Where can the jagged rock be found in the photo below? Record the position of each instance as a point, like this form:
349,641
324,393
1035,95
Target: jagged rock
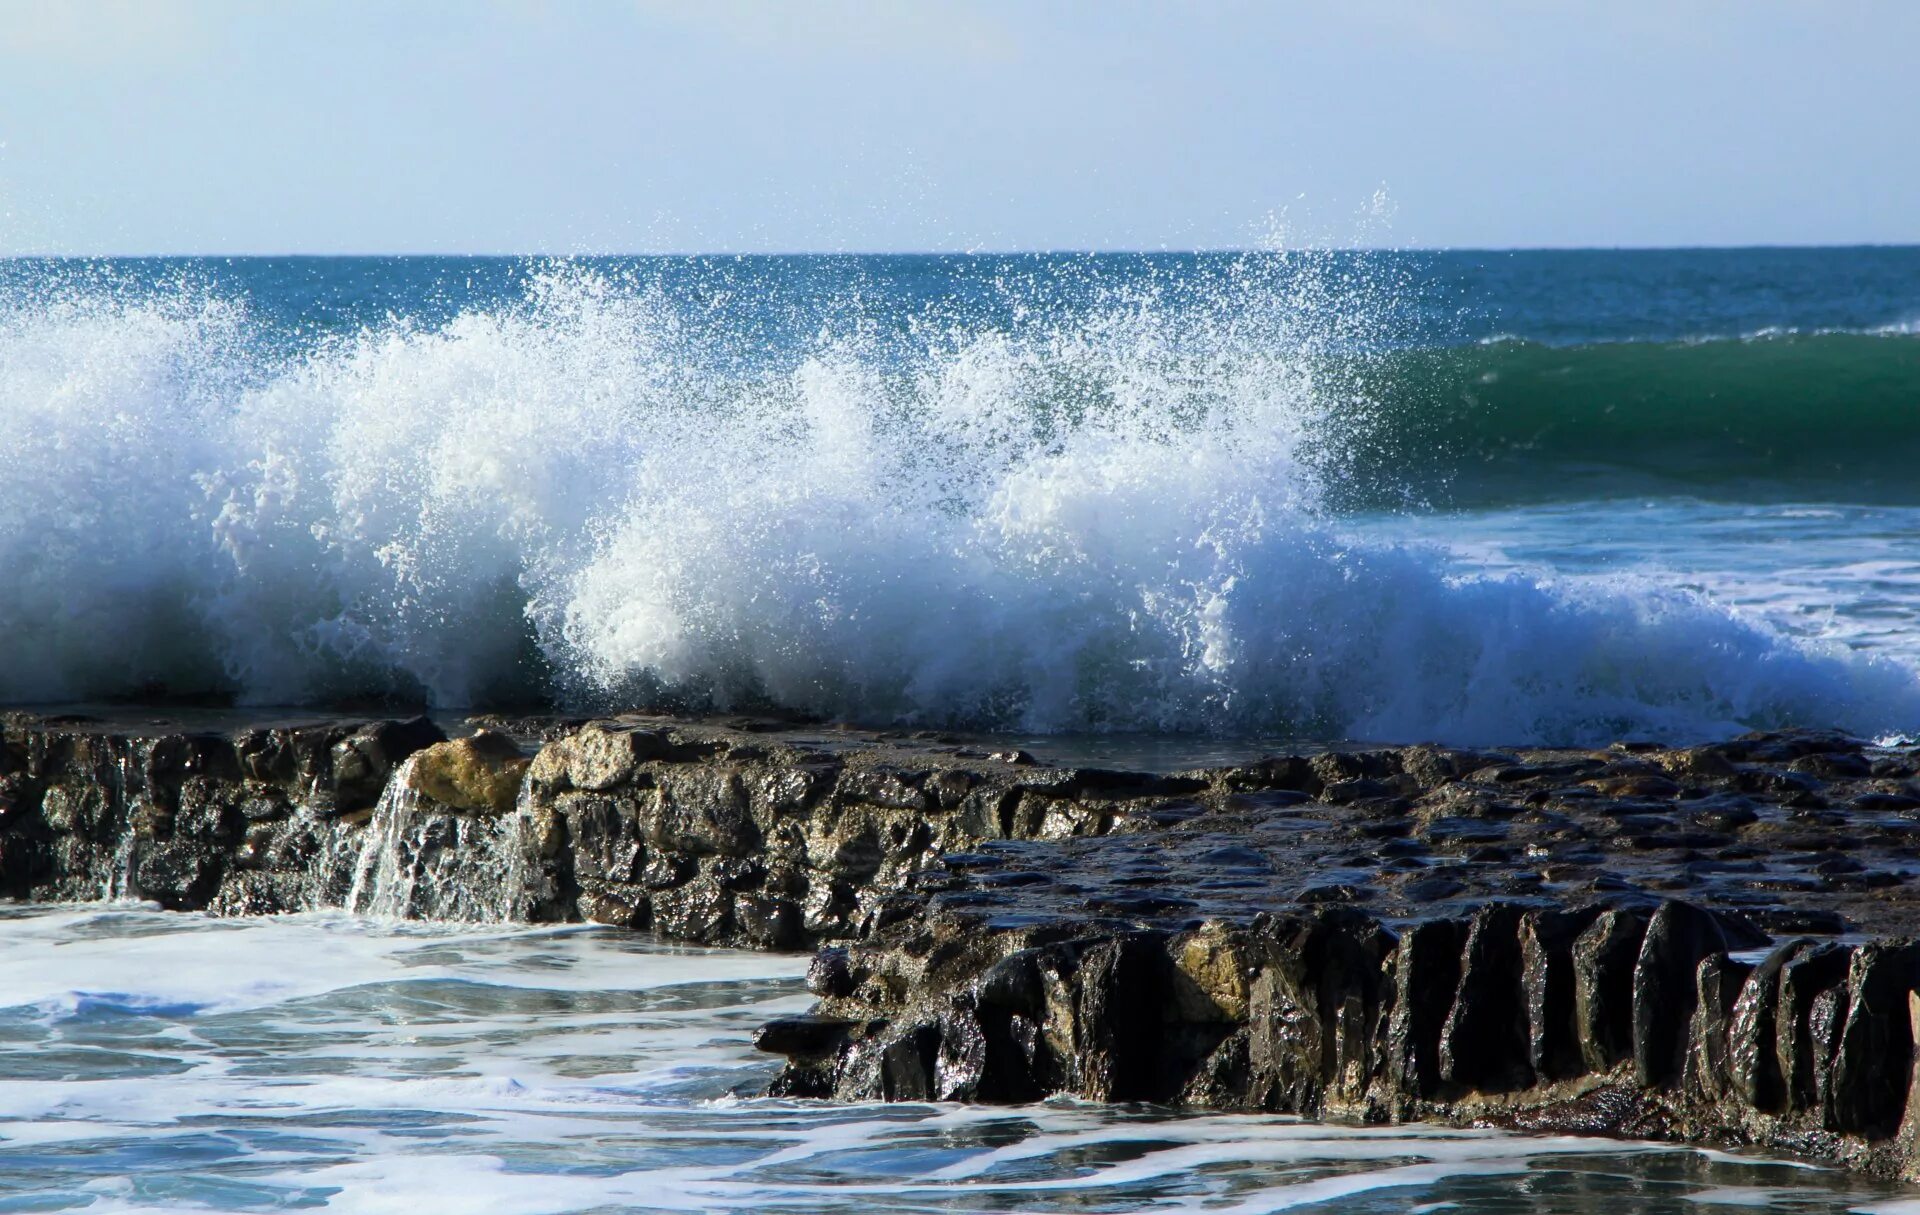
1717,983
1547,983
1484,1043
1753,1036
1802,1042
1665,976
1604,959
1876,1044
1426,976
365,759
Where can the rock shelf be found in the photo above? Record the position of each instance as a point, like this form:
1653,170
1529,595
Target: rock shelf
1712,944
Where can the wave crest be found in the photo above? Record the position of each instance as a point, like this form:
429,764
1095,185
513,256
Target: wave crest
598,493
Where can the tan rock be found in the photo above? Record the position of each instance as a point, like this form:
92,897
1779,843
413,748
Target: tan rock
1210,958
481,773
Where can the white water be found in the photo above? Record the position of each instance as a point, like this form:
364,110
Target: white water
416,861
165,1062
1108,525
1831,573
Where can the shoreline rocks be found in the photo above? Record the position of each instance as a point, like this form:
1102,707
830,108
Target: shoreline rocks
1710,944
1330,1014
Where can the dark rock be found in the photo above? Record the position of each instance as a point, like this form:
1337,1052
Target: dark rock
1717,984
1678,938
1604,959
1876,1044
998,931
364,760
831,973
1484,1042
1753,1034
1426,976
1546,958
804,1036
1875,801
1804,1045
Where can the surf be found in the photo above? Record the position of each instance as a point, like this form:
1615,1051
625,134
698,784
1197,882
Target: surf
1095,503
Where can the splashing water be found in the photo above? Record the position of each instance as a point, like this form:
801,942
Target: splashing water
1083,505
415,860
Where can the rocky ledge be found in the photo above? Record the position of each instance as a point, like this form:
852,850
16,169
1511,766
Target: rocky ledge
1712,944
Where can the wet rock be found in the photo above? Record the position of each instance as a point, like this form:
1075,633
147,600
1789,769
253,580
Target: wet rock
960,1067
700,810
1484,1042
175,875
1604,959
480,773
1876,1044
1678,938
1697,763
770,921
1834,765
807,1036
365,760
1753,1035
701,910
1878,801
1717,984
1426,977
1804,1042
1376,935
1546,961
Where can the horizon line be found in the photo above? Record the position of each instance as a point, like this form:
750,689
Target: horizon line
932,253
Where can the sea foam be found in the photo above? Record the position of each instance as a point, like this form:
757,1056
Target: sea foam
158,1061
1109,516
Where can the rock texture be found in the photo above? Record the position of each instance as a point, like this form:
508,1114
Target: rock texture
233,820
1710,943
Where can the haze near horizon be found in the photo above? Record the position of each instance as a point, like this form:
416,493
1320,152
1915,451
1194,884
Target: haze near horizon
227,126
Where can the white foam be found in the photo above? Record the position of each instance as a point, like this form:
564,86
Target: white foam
59,957
1108,523
362,1067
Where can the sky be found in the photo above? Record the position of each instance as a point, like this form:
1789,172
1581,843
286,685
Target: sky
516,126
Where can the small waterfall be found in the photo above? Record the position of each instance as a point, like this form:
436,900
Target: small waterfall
418,860
117,802
117,885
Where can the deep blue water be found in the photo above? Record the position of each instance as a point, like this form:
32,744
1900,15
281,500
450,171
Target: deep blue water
1557,297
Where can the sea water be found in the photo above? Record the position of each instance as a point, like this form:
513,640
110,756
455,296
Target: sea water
1127,506
155,1061
1478,498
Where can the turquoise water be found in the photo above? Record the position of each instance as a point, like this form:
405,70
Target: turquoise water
1476,497
154,1061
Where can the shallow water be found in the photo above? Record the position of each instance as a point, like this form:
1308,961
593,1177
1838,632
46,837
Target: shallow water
163,1062
1827,572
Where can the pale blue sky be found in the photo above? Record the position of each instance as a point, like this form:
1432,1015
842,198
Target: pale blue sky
143,126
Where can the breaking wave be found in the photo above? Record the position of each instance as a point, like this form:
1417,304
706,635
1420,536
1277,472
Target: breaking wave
1773,417
609,491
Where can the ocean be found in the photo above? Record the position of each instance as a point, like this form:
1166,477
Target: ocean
1472,497
1129,507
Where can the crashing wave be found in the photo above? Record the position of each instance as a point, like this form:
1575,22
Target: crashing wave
1112,516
